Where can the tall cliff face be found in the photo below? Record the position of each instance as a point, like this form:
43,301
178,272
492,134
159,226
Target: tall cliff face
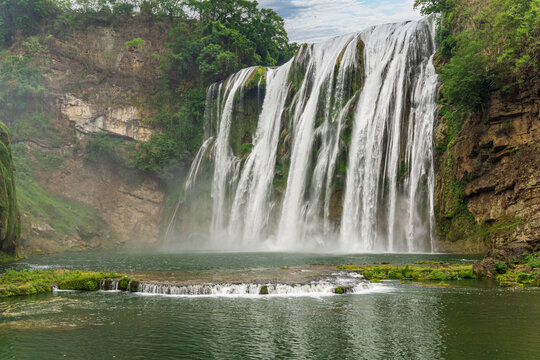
10,222
78,189
488,178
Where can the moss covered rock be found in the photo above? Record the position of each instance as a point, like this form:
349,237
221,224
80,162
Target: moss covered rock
10,222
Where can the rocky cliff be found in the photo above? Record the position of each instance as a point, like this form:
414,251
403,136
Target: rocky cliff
10,223
79,189
488,176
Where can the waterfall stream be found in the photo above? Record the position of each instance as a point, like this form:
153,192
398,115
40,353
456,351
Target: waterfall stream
340,156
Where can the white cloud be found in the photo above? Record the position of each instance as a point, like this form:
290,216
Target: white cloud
314,20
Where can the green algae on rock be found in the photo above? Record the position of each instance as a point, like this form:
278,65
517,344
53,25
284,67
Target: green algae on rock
10,222
437,272
14,283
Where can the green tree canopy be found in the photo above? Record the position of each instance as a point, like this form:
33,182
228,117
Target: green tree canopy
485,45
24,16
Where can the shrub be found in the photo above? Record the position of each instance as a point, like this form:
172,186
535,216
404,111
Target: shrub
134,44
500,267
533,260
123,9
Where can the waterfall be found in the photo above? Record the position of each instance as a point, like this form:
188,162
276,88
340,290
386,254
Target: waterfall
339,153
250,211
225,164
314,94
399,69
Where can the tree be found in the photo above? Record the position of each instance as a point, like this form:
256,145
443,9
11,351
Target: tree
23,16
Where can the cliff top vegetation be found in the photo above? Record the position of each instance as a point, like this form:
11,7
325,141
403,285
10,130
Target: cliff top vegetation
485,46
209,40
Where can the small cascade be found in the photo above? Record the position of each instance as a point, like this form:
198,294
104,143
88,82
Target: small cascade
196,166
350,283
205,148
109,285
340,155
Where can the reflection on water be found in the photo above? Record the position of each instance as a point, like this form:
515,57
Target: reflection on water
416,319
408,323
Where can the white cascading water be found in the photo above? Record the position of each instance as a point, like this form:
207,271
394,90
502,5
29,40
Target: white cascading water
319,76
226,165
399,68
387,200
250,209
349,282
318,288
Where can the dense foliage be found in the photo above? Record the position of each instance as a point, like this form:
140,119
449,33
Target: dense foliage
24,16
485,45
227,36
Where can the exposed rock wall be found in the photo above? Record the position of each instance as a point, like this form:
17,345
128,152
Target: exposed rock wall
493,169
130,204
121,121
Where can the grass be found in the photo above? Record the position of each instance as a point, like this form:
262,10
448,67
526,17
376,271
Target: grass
435,272
26,282
533,260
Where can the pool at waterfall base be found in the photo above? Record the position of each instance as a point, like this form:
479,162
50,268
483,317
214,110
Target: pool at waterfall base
467,319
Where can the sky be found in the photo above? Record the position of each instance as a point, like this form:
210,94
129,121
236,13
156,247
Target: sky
315,20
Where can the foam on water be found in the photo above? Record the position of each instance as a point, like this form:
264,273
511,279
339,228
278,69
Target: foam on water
352,283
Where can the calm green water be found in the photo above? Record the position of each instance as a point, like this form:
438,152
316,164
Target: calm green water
473,321
167,261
